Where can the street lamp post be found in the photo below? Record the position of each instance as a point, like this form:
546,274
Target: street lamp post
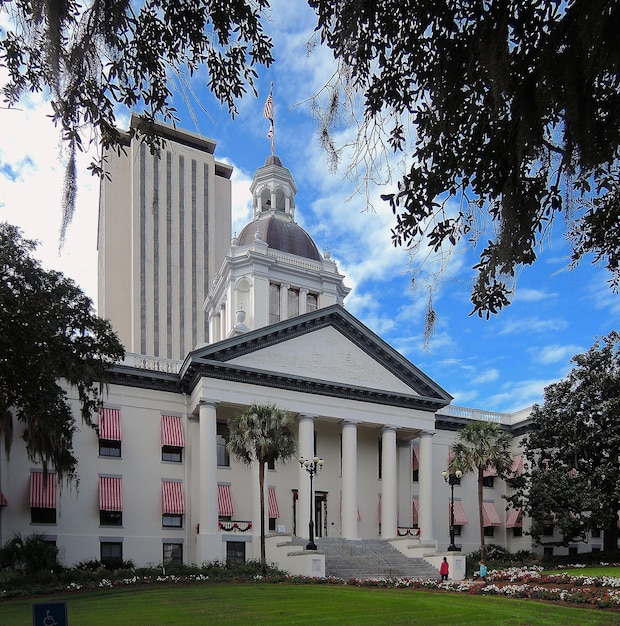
313,467
452,478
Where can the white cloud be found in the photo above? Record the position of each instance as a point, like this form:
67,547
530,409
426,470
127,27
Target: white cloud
555,353
533,325
486,376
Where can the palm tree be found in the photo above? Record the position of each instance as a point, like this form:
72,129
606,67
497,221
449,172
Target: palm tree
479,446
261,433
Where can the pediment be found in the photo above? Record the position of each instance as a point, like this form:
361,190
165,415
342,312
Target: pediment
326,351
327,355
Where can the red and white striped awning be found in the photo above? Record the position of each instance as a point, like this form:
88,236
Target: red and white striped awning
489,471
110,424
490,516
272,503
172,431
42,491
416,457
460,519
517,465
415,511
173,500
110,493
225,501
515,518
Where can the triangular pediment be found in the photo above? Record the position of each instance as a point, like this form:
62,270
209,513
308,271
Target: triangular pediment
327,351
327,355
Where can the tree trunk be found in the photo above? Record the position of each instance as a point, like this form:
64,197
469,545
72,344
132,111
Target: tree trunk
610,536
261,481
483,547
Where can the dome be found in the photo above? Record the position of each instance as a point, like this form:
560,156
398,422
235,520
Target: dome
280,232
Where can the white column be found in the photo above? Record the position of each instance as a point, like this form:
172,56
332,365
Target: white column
284,287
306,449
209,545
425,498
349,480
303,301
388,483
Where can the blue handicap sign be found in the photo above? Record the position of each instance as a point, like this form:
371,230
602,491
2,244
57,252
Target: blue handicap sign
49,614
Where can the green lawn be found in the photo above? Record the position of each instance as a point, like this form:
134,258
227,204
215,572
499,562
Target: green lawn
255,604
597,571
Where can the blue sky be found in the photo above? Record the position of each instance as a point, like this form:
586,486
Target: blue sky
501,364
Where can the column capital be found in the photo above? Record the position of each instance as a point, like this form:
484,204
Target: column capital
304,416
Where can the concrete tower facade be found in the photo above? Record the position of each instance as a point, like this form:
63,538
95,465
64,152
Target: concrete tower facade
164,229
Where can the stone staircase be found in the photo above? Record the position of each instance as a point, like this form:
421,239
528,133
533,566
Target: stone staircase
370,558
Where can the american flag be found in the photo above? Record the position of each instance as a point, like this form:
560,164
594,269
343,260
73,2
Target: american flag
268,112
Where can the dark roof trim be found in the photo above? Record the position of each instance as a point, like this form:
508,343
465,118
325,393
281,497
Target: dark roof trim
278,380
144,379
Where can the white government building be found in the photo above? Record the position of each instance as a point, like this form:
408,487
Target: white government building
212,324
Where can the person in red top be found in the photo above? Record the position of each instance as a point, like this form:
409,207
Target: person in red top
444,569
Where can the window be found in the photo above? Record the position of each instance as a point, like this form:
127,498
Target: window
379,458
293,303
42,497
312,302
457,530
489,531
596,533
274,303
272,524
110,501
109,430
173,554
173,504
488,481
111,552
271,464
172,438
415,472
111,518
547,530
548,551
223,459
42,515
572,550
174,454
172,520
517,531
235,552
107,447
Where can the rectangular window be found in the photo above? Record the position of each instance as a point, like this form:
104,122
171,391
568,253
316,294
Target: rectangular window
41,515
172,454
312,302
547,530
271,464
109,430
517,531
274,303
235,552
293,303
111,553
110,501
172,438
272,524
596,533
489,531
42,497
488,481
457,530
223,459
379,458
173,554
108,447
172,520
111,518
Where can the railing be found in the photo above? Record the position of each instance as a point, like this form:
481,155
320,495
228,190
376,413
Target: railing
403,531
473,414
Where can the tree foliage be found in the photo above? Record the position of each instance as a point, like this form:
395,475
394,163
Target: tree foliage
92,56
572,477
480,446
49,334
261,434
508,112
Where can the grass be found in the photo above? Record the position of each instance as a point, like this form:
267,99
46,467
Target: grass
256,604
587,571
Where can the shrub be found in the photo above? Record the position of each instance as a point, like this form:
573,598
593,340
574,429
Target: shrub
30,554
